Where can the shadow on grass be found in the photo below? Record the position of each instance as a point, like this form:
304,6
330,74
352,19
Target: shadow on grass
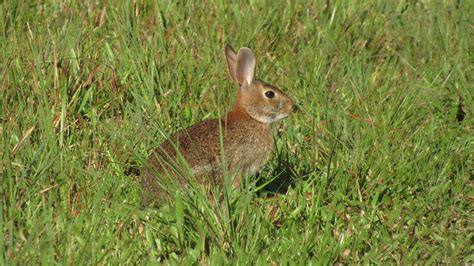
284,175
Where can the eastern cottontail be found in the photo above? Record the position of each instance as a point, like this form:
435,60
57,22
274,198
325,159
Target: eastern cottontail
245,131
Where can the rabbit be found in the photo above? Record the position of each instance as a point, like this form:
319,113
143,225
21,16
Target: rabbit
246,133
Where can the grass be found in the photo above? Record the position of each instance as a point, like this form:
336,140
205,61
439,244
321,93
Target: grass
377,168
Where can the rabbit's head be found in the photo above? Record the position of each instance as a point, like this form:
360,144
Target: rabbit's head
261,101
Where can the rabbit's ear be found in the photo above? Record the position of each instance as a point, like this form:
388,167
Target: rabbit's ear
231,61
245,66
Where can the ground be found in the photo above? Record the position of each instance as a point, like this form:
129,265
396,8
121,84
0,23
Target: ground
376,167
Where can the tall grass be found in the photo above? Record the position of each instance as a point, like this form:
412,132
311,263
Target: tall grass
377,167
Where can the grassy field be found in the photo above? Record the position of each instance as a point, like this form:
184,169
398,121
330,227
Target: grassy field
376,168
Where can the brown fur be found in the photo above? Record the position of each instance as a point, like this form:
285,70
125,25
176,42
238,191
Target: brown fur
246,136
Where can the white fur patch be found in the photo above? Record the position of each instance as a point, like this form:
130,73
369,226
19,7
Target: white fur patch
267,119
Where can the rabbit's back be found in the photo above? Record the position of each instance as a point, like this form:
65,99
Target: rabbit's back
247,146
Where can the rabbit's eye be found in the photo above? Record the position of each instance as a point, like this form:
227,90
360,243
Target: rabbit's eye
270,94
